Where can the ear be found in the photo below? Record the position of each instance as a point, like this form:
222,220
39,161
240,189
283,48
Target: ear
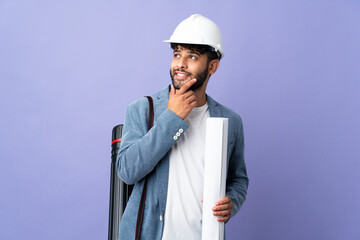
213,66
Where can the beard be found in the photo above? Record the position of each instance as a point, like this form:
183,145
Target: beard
200,79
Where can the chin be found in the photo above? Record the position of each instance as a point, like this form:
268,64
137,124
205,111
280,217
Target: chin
179,83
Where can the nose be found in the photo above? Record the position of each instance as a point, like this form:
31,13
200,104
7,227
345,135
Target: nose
181,63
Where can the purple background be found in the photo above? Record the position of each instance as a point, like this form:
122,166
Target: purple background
68,69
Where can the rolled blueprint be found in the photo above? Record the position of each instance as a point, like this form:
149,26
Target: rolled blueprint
214,176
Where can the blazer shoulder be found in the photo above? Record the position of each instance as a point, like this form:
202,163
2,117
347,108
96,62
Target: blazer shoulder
231,113
139,105
225,111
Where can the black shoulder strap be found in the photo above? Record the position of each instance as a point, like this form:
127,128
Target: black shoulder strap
140,215
151,112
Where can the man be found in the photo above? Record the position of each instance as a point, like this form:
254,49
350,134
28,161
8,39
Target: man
171,153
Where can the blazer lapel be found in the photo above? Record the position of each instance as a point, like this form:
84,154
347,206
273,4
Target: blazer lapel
162,169
214,108
161,102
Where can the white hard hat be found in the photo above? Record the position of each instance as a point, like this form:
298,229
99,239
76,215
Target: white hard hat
198,29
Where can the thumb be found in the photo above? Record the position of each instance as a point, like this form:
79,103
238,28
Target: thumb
172,90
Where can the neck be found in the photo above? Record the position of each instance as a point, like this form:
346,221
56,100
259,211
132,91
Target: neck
201,94
201,98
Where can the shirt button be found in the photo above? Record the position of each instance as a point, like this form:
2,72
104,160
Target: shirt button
160,218
178,134
181,130
175,138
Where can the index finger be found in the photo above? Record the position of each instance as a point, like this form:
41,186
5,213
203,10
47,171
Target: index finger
186,86
224,200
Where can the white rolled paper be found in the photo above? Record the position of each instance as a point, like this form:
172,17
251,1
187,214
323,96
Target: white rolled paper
214,176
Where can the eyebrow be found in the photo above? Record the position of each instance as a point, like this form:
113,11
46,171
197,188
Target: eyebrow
189,51
194,52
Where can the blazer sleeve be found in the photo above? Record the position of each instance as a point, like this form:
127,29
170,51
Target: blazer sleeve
140,149
237,180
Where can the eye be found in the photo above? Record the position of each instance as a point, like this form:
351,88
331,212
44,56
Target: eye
176,55
192,57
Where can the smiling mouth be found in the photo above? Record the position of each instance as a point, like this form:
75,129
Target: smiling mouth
182,74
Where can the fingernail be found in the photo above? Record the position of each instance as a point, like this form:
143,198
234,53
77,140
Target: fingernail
194,80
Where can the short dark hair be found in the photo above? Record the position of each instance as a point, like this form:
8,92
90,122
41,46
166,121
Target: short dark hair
202,49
